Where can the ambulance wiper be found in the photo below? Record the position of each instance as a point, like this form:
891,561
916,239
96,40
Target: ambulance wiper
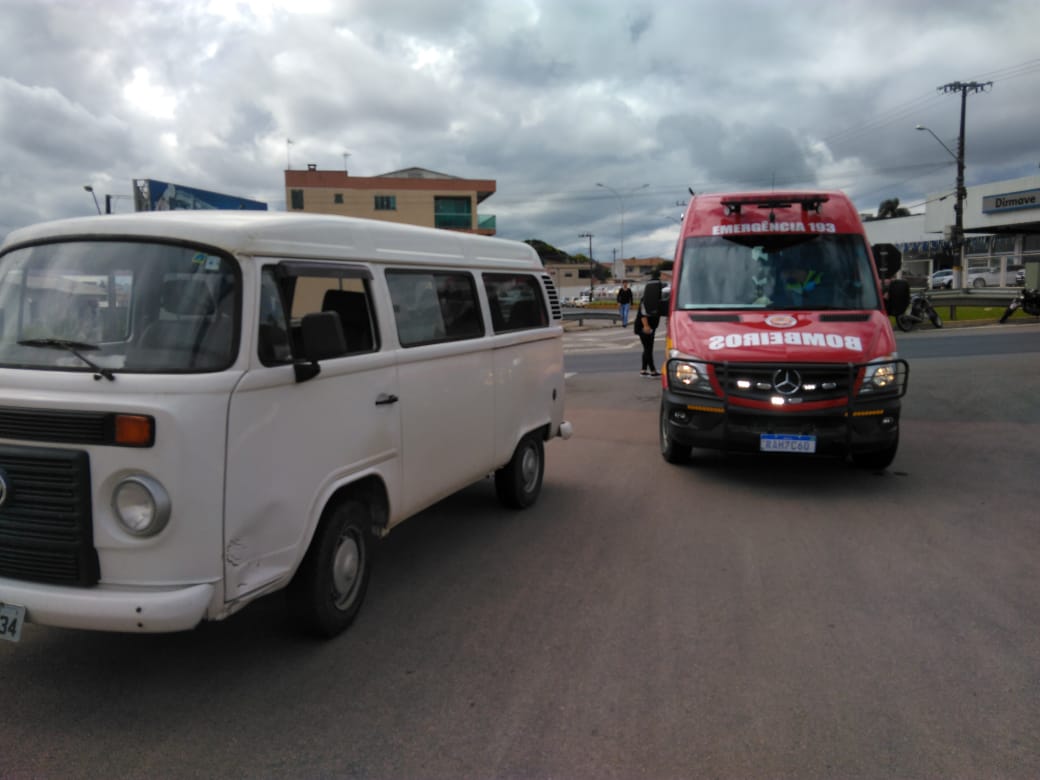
76,348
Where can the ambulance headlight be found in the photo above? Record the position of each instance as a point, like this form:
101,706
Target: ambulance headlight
880,377
141,505
687,375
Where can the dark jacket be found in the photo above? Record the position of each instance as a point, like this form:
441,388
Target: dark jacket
624,295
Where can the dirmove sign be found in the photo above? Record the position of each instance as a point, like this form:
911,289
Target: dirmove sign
1027,199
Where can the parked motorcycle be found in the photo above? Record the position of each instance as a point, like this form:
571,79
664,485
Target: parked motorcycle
919,310
1026,300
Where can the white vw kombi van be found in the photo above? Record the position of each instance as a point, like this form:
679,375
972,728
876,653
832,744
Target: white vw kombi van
200,408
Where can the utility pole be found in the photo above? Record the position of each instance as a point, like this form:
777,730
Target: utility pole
592,266
958,239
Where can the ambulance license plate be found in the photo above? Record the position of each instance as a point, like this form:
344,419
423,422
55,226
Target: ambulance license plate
786,442
11,618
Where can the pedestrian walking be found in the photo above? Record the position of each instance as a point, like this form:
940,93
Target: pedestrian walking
624,300
647,320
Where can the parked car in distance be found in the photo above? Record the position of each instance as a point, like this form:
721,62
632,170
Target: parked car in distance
981,276
1020,277
941,279
914,280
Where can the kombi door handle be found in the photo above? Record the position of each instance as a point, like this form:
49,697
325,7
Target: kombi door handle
386,398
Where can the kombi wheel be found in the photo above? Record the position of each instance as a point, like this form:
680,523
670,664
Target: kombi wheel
671,451
327,591
519,482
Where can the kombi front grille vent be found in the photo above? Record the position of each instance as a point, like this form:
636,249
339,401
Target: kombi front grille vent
46,527
807,382
58,426
554,298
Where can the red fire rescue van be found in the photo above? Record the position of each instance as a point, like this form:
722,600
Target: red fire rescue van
778,337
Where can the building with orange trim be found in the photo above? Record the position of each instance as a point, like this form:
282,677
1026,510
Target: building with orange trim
412,196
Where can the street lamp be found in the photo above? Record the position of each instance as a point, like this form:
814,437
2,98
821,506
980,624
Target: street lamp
958,206
592,266
90,189
621,202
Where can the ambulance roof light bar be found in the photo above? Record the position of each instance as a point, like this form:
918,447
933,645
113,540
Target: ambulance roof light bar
809,201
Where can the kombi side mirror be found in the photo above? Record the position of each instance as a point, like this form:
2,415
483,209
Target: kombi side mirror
321,337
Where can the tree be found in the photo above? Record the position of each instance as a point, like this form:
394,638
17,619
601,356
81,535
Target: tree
547,252
890,208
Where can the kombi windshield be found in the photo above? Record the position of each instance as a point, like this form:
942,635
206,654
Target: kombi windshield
775,272
113,306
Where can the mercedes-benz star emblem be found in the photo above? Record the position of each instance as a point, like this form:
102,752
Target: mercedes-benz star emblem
787,381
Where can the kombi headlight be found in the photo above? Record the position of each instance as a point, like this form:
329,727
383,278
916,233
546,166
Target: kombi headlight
688,375
141,505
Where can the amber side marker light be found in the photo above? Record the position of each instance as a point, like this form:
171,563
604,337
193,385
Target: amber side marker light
134,430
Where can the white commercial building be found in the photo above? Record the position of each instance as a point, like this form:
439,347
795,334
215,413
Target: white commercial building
1001,227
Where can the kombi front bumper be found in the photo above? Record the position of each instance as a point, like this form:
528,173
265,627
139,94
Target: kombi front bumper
110,609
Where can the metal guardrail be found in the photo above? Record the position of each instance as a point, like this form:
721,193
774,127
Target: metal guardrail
972,296
591,314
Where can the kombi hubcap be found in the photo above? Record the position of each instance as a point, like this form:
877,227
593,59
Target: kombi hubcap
346,566
529,469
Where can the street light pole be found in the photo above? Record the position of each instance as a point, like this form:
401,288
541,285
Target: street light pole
621,202
592,266
958,208
90,189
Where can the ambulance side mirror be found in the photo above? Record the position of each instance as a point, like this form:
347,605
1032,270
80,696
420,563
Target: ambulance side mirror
888,259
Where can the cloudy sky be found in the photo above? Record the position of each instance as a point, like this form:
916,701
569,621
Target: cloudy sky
548,97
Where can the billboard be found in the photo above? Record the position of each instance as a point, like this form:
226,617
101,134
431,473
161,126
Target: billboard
153,195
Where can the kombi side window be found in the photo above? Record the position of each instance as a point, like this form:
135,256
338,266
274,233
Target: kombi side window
516,302
434,306
289,292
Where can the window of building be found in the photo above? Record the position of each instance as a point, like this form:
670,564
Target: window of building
386,203
1031,242
453,213
337,198
296,199
516,302
435,306
1003,244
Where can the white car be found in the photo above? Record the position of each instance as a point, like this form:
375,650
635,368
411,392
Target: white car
991,276
941,279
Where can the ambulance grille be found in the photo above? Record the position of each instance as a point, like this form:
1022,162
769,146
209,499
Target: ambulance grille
807,382
46,527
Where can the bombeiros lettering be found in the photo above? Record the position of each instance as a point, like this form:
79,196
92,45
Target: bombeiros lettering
786,338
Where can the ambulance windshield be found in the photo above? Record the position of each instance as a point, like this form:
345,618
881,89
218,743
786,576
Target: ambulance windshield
775,272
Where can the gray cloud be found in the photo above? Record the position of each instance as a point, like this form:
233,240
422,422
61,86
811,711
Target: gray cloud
546,98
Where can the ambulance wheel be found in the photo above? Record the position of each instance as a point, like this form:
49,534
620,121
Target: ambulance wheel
671,450
519,482
329,587
878,459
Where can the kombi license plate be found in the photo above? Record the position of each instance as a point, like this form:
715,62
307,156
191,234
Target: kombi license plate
786,442
11,618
